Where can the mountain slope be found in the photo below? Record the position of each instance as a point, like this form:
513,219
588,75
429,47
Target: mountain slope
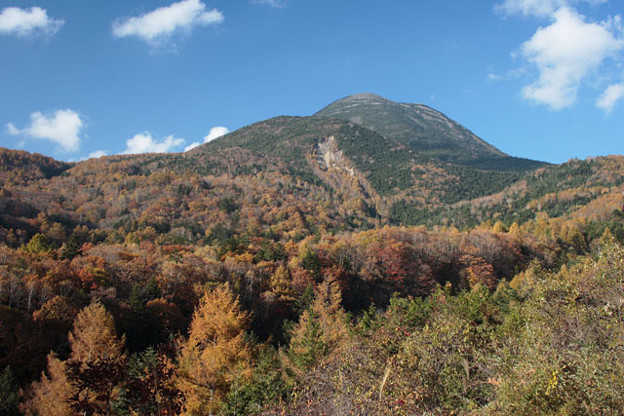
288,176
388,169
588,190
276,219
300,142
17,166
424,130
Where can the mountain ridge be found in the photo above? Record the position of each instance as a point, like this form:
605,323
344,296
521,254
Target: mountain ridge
424,129
357,176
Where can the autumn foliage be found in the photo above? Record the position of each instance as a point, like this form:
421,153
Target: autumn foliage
239,285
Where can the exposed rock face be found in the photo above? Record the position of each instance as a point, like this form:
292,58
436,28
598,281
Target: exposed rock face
335,169
331,157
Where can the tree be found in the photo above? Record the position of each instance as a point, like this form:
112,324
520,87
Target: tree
264,388
150,387
71,248
58,309
98,385
320,330
306,345
93,337
309,260
38,244
478,271
96,366
216,352
8,393
280,284
51,395
332,317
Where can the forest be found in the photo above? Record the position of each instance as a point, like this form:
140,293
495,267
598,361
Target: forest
236,283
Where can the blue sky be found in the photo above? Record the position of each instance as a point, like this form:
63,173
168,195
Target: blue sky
542,79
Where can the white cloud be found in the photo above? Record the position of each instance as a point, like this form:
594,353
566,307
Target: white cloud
145,143
61,127
610,97
213,134
191,146
158,26
564,53
97,154
93,155
272,3
27,22
495,76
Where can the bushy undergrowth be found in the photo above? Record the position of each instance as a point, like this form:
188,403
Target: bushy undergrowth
551,346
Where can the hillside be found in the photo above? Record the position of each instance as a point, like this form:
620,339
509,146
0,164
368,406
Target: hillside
590,189
384,167
19,167
297,264
335,174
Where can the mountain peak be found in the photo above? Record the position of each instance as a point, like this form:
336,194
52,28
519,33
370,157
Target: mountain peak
421,129
368,96
364,98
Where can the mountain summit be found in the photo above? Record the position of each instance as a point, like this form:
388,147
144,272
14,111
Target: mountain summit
424,130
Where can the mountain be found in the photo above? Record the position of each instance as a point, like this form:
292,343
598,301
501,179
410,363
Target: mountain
388,163
295,221
585,190
424,130
334,173
374,158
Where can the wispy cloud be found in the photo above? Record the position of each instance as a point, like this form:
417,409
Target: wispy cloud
159,26
515,73
214,133
528,7
272,3
566,52
28,22
145,143
539,8
62,127
610,97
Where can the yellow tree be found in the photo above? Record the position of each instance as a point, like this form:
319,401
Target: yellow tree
321,330
332,317
215,353
93,337
280,284
51,395
93,341
96,359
